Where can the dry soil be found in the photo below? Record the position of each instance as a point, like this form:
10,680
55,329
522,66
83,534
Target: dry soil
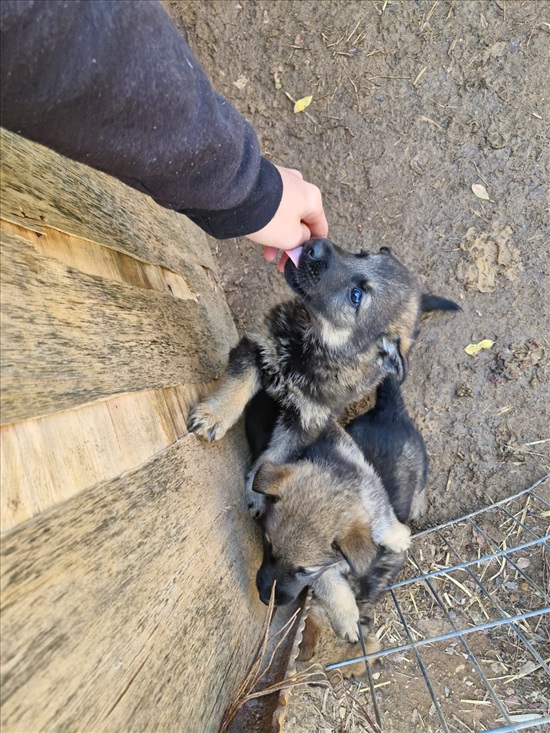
414,101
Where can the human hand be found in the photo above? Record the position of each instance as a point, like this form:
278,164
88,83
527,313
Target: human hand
299,217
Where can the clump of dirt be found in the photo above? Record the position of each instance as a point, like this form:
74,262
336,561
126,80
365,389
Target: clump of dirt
518,361
413,102
490,254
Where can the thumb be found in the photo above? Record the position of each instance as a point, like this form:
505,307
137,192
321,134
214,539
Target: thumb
317,223
305,234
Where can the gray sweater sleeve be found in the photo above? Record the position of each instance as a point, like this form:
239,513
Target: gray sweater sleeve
113,84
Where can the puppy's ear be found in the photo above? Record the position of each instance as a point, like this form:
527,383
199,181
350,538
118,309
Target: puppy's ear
269,479
429,303
393,360
385,251
357,547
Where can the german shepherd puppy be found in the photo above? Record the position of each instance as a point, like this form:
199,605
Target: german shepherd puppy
317,526
354,317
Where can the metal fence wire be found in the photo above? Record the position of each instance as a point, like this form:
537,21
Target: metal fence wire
466,632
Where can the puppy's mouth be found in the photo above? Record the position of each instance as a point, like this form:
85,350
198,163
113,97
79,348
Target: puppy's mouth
295,254
292,279
299,277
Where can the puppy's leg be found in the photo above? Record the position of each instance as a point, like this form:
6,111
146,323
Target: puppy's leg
212,418
397,538
419,504
285,443
391,359
382,573
386,529
316,621
337,598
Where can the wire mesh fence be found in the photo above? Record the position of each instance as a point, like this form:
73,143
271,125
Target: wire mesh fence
466,632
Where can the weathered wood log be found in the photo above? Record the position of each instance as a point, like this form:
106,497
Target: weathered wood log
128,561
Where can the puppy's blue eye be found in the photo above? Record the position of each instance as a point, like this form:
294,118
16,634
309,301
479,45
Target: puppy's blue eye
355,297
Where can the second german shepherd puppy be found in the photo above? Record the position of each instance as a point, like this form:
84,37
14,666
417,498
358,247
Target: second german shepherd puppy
354,318
318,528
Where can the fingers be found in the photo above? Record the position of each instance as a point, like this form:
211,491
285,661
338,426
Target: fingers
299,217
315,218
306,234
270,253
317,223
282,262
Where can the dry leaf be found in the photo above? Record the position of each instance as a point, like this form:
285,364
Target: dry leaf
480,191
301,104
277,78
474,349
527,668
241,82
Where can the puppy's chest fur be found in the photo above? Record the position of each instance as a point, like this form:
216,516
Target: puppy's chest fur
306,376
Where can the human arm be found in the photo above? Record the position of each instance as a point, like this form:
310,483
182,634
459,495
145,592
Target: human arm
114,85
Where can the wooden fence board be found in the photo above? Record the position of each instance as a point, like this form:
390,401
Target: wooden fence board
53,191
101,629
68,338
49,459
128,558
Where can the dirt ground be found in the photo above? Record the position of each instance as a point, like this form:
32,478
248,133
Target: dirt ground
414,101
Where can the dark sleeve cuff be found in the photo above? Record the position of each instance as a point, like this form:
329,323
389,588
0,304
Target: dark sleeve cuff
250,215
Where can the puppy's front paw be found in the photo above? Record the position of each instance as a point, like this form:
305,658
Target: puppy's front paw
256,504
397,538
345,626
205,423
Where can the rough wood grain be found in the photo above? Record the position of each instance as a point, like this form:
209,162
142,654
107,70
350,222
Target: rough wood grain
68,338
41,188
49,459
132,607
128,600
96,259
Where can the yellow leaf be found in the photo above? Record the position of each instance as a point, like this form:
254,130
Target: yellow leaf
473,349
480,191
301,104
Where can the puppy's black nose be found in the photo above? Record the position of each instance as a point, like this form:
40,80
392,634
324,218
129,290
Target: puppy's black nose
316,249
263,584
265,597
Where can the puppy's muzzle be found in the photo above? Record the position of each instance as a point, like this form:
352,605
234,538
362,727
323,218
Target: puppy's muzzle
264,584
314,261
316,253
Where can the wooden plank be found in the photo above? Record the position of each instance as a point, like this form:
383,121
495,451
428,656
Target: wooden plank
69,338
95,259
132,606
48,460
41,188
128,601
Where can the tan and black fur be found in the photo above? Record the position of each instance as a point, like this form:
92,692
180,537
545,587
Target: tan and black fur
354,318
321,528
317,526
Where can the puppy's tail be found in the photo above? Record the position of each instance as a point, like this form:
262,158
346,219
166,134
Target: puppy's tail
430,303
